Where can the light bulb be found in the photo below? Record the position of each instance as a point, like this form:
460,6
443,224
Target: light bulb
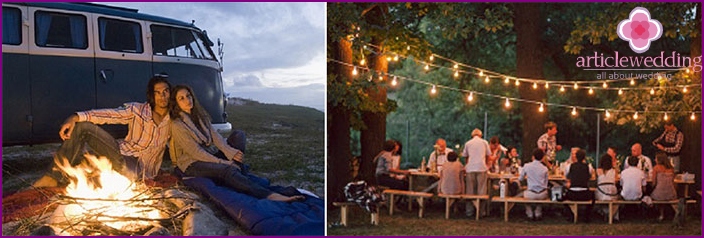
431,57
535,85
562,89
633,82
507,104
395,57
659,77
574,111
684,90
388,58
652,91
457,74
687,70
381,78
604,85
635,115
362,62
665,117
620,91
394,81
433,90
547,85
486,79
692,117
457,66
427,67
518,82
354,71
470,97
506,80
481,73
576,86
541,109
591,91
408,47
608,114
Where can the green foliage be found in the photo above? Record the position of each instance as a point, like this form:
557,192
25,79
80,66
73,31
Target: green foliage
599,21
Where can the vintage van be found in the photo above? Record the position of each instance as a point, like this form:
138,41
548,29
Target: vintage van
59,58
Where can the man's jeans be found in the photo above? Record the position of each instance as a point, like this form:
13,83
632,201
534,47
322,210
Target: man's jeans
100,142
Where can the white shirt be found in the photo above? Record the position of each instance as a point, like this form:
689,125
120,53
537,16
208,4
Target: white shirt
439,159
632,182
476,150
643,163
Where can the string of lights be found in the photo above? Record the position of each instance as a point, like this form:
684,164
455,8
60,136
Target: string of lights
562,85
470,95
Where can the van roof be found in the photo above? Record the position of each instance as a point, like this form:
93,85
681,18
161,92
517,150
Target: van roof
107,10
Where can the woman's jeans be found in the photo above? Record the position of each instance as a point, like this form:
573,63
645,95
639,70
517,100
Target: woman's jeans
229,174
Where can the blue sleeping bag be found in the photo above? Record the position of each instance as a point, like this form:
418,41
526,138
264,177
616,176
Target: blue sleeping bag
262,216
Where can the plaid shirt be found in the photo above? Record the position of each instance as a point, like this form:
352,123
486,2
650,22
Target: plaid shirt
548,144
674,138
145,139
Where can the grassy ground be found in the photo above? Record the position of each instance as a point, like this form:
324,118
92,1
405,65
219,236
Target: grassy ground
284,143
433,223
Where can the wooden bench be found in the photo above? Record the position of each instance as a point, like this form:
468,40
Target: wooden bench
509,202
614,205
419,197
344,206
450,199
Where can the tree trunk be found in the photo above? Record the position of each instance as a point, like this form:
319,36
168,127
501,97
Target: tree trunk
692,147
339,152
528,23
373,136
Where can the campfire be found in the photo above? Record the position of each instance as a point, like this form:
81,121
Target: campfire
100,201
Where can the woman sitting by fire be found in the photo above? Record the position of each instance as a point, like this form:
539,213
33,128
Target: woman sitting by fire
199,151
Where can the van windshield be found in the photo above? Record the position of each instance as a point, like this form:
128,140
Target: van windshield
179,42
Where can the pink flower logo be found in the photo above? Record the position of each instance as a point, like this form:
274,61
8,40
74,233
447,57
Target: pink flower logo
639,30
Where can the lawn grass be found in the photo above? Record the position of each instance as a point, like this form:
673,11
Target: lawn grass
434,223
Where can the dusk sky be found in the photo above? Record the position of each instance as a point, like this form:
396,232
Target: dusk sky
274,52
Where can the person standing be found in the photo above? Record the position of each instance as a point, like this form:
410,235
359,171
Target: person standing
548,142
537,176
138,156
439,155
477,152
670,142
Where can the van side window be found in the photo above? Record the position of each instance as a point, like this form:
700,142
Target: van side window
60,30
171,41
11,26
121,36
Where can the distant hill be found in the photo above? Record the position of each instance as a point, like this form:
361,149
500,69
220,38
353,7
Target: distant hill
285,143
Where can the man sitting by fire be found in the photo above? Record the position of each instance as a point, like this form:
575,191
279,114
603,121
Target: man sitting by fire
138,156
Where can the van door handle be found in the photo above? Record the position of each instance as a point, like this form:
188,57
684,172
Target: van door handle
106,74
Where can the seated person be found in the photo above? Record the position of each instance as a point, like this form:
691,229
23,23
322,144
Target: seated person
663,181
452,176
438,157
573,159
632,181
578,182
511,162
385,170
606,183
644,162
537,175
198,150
